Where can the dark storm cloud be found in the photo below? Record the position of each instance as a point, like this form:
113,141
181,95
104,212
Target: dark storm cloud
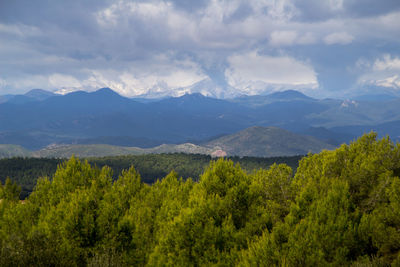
242,12
316,10
190,6
367,8
66,27
45,12
134,46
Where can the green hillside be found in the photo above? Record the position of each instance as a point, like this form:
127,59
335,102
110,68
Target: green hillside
8,151
268,142
341,208
252,142
84,151
101,150
26,171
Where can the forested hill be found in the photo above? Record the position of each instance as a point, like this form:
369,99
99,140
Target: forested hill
341,208
39,119
26,171
267,142
255,141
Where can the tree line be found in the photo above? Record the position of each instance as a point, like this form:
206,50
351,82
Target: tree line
341,207
26,171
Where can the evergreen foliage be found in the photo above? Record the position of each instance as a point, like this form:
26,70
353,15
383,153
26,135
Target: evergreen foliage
342,207
26,171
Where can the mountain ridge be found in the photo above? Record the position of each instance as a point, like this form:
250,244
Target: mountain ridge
79,116
268,142
255,141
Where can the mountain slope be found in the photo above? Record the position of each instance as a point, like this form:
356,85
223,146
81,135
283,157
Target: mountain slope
289,95
82,115
31,96
40,118
254,141
101,150
39,94
10,151
284,96
268,142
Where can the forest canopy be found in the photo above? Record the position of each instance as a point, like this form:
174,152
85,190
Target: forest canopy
341,207
26,171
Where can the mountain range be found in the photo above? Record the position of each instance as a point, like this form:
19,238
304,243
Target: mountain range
254,141
39,118
267,142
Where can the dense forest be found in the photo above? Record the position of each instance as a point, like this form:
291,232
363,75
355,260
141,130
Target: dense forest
341,208
26,171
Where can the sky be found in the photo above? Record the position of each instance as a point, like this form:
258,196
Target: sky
223,49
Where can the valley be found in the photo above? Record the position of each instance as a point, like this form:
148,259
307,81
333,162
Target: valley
251,142
105,123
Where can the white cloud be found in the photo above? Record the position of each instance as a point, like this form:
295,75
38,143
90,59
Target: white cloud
58,80
342,38
387,63
113,43
383,72
28,82
289,38
252,73
3,83
389,82
158,20
280,10
134,83
20,30
336,4
307,38
211,27
283,38
159,75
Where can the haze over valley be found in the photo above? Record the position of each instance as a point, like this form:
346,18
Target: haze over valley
200,133
142,74
47,123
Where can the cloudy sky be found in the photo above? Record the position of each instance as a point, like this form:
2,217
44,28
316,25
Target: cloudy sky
329,48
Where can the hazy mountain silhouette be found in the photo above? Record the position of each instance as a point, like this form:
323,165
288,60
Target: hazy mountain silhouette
268,142
253,141
39,118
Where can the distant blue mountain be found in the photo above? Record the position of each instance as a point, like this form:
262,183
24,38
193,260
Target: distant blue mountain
39,94
107,117
21,99
329,136
5,98
289,95
391,129
375,97
31,96
105,113
284,96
